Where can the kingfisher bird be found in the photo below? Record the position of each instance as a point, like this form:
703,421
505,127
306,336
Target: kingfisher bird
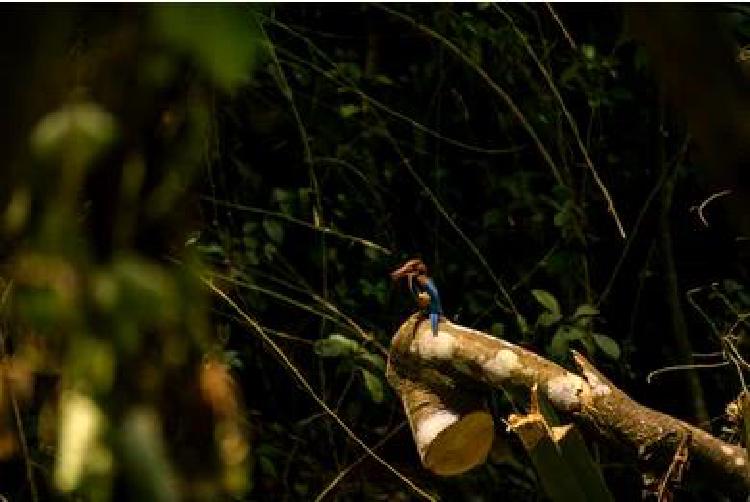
423,287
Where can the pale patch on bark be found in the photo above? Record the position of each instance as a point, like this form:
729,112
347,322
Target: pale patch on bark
503,365
598,388
565,391
429,346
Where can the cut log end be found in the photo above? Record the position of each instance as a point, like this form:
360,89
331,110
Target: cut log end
460,446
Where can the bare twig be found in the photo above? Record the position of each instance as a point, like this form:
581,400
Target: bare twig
296,221
511,307
354,464
318,219
490,82
4,379
372,101
676,468
639,219
699,208
308,388
574,128
562,26
686,367
307,290
345,320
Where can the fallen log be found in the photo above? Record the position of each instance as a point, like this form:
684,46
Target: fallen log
439,379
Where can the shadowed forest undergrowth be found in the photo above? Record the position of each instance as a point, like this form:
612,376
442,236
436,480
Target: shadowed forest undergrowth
203,203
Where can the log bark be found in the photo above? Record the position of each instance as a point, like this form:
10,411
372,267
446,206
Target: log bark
459,357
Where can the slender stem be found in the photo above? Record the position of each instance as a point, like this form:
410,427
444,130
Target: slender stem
308,388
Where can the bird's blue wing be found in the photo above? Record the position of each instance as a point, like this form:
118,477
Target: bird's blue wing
434,319
435,308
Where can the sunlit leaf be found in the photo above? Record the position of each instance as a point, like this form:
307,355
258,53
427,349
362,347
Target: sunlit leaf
585,310
547,319
607,345
497,329
523,326
374,386
335,346
561,340
589,51
374,360
546,300
349,110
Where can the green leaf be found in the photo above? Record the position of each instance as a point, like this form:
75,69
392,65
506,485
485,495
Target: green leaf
492,218
585,310
269,250
497,329
547,319
221,39
523,326
373,360
607,345
347,111
335,346
267,467
589,51
374,386
274,230
546,300
285,199
558,347
209,249
383,80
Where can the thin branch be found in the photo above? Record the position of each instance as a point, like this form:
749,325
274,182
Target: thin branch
571,121
511,307
307,291
699,208
378,104
347,322
308,388
562,26
296,221
14,403
491,83
318,218
688,367
354,464
286,90
637,225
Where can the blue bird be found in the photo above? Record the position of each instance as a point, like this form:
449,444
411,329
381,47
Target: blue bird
423,287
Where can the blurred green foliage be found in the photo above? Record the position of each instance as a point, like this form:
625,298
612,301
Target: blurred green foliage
296,154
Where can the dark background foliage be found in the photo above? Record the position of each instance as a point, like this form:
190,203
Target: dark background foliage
366,136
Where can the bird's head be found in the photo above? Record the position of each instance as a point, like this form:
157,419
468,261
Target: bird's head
410,270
